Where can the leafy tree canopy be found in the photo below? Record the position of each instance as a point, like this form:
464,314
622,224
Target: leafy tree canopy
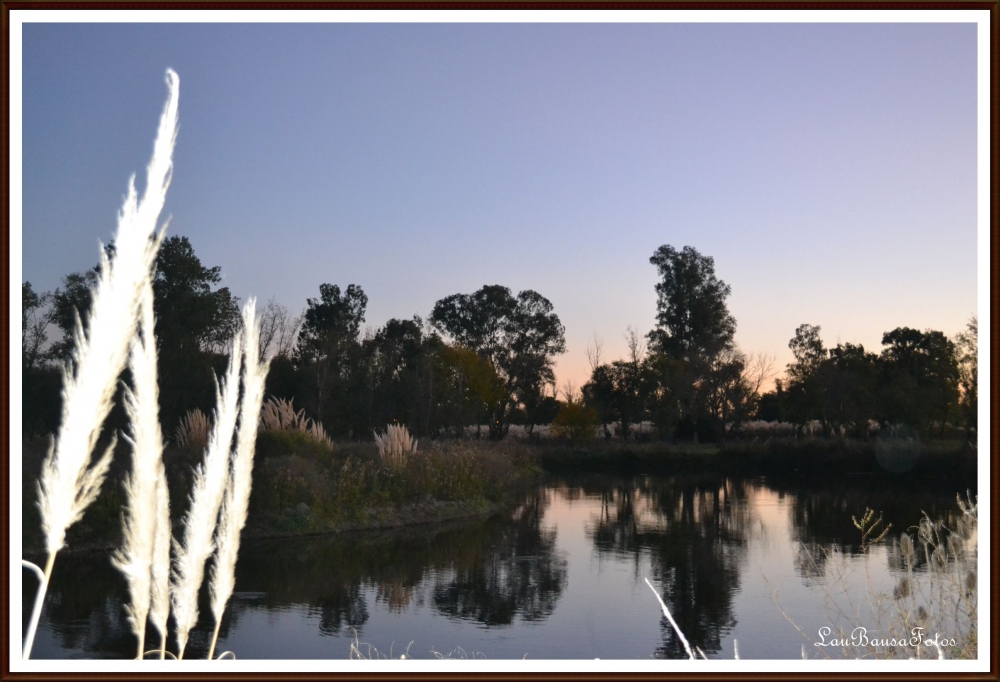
189,313
331,320
518,335
694,322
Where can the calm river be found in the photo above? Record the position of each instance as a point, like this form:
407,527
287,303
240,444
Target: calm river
560,576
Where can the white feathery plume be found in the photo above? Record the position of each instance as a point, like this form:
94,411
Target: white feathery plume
67,485
207,492
135,557
159,608
395,445
234,507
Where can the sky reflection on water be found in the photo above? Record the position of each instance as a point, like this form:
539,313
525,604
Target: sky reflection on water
559,577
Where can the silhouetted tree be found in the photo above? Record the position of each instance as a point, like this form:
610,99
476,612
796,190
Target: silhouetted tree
920,377
69,302
195,319
518,336
40,380
330,353
693,327
726,390
967,347
36,316
394,351
806,386
851,394
278,330
693,321
619,392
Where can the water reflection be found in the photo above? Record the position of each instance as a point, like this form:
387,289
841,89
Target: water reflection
517,574
492,572
694,533
699,539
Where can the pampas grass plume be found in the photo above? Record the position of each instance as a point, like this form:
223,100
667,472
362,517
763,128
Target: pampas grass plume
67,484
237,499
135,558
159,608
395,445
207,494
193,430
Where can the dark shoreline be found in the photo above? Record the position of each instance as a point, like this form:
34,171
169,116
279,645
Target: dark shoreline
940,464
950,462
432,513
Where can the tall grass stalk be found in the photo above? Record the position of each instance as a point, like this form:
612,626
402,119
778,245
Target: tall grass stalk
237,498
68,482
135,558
677,629
207,493
159,609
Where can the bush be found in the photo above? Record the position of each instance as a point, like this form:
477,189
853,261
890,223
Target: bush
292,442
575,422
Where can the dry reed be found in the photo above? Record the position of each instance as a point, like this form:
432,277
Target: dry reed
159,610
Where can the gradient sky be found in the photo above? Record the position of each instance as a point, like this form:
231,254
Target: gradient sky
830,169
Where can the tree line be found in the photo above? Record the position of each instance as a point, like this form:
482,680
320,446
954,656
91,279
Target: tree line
485,359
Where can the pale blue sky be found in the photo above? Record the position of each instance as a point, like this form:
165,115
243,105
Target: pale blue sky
829,169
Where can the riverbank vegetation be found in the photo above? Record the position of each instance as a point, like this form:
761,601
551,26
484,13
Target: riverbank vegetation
301,485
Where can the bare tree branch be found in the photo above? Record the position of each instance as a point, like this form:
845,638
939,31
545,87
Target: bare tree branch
636,344
594,348
278,330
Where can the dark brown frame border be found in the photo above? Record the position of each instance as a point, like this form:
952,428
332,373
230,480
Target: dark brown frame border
5,7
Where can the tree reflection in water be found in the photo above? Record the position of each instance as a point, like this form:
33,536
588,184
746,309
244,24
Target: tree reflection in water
690,535
491,572
84,608
695,533
518,574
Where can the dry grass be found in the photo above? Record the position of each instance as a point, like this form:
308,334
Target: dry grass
210,481
68,484
930,610
395,446
135,558
193,430
280,415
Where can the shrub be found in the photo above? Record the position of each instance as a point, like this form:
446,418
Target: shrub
575,421
300,443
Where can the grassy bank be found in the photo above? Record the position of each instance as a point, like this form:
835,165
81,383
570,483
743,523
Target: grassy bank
301,485
304,485
810,457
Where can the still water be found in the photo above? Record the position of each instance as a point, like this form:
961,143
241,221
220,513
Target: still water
560,576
